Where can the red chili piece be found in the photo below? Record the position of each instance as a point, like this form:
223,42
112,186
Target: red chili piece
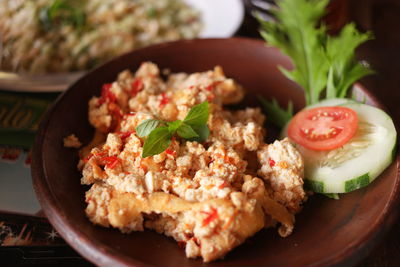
116,113
124,135
211,87
212,215
110,161
271,162
170,152
88,158
211,97
101,153
106,94
164,99
136,86
98,154
224,184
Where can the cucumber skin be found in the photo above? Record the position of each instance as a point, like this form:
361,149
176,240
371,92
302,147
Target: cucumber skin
394,151
350,185
357,183
315,186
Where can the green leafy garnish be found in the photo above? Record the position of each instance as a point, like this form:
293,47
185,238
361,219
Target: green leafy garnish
146,127
193,128
277,115
344,69
187,132
198,115
157,141
202,131
320,61
324,66
60,12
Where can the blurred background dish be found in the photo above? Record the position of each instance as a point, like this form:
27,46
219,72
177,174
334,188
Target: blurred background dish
220,18
66,38
37,83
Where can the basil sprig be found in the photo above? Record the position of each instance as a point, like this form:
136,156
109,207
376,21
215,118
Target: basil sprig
276,114
159,133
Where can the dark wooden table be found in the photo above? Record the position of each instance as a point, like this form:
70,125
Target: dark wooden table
383,18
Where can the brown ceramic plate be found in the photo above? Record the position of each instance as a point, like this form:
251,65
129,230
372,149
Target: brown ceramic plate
326,232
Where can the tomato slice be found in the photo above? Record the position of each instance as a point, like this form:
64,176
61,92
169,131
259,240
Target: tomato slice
323,128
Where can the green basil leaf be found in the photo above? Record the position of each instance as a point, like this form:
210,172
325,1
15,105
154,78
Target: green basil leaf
275,113
157,141
197,115
174,125
202,131
145,128
185,131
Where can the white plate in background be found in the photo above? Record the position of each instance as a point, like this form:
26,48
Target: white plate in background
221,19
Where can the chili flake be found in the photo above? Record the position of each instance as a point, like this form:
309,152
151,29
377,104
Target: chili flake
143,167
124,135
116,114
106,94
98,154
136,86
88,158
164,99
170,152
271,162
223,185
110,161
211,216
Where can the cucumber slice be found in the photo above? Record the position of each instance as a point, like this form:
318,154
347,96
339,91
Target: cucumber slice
357,163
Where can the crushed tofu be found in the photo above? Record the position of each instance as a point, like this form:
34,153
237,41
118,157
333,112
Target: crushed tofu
210,196
72,141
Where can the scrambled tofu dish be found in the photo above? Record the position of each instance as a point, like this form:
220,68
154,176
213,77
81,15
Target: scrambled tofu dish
50,36
210,196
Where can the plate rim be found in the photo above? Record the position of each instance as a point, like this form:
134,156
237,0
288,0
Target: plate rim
98,254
